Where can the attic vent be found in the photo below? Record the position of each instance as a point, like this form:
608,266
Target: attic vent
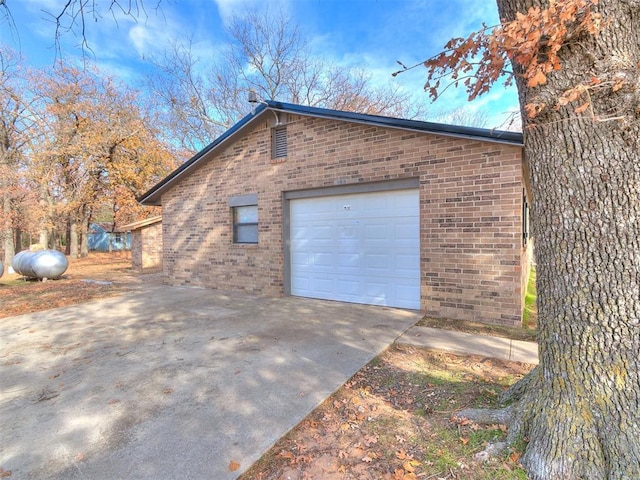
279,142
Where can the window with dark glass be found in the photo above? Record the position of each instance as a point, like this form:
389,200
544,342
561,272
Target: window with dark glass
245,224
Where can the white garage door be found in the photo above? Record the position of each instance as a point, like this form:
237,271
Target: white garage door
362,248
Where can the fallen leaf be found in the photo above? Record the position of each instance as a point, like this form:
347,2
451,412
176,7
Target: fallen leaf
462,421
401,455
464,440
370,439
233,466
410,465
285,454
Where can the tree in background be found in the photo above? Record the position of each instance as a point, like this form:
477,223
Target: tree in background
95,148
15,129
267,54
576,64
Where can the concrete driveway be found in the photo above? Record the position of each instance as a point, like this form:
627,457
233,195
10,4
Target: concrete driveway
173,383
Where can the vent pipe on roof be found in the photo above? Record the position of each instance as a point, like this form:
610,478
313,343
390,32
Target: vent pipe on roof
253,99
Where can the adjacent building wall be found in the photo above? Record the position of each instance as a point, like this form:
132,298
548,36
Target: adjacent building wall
146,247
470,201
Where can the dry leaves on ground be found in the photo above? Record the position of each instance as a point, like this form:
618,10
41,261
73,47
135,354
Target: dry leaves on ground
392,421
98,276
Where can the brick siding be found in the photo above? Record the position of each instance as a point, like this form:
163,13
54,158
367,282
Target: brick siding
146,247
470,206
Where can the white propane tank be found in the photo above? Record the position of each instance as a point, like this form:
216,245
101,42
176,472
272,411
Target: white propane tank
40,264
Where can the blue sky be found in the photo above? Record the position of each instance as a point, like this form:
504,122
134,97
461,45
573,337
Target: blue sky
369,34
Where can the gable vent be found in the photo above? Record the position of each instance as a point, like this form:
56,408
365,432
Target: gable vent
279,142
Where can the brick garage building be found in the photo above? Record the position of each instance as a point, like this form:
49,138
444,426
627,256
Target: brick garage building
320,203
146,243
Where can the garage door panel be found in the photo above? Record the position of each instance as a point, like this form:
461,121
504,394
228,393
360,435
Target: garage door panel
406,231
301,284
323,260
322,285
377,264
406,263
362,248
299,259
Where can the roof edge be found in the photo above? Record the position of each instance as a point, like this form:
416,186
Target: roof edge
153,195
492,135
142,223
150,196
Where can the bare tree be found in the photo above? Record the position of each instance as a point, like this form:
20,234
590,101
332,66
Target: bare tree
201,97
74,16
462,116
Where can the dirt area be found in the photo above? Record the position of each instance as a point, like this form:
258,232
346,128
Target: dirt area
99,275
392,420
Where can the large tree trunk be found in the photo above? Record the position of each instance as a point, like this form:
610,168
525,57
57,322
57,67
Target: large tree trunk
18,239
47,219
6,234
581,407
84,236
73,237
6,221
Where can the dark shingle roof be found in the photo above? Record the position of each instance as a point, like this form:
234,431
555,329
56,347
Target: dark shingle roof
152,197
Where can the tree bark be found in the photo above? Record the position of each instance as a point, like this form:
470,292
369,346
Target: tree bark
73,238
18,239
6,233
84,235
581,414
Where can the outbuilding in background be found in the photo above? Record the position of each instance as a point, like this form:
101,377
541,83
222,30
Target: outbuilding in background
146,243
104,238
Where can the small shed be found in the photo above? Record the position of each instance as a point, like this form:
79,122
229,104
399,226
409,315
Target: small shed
103,237
146,243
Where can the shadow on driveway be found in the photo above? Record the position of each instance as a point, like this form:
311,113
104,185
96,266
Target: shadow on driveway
173,382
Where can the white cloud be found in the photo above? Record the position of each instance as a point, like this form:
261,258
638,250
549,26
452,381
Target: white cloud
140,36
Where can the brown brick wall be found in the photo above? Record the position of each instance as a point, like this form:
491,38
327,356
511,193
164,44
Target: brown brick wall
146,247
470,195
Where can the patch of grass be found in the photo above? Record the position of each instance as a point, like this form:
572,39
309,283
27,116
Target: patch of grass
530,312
